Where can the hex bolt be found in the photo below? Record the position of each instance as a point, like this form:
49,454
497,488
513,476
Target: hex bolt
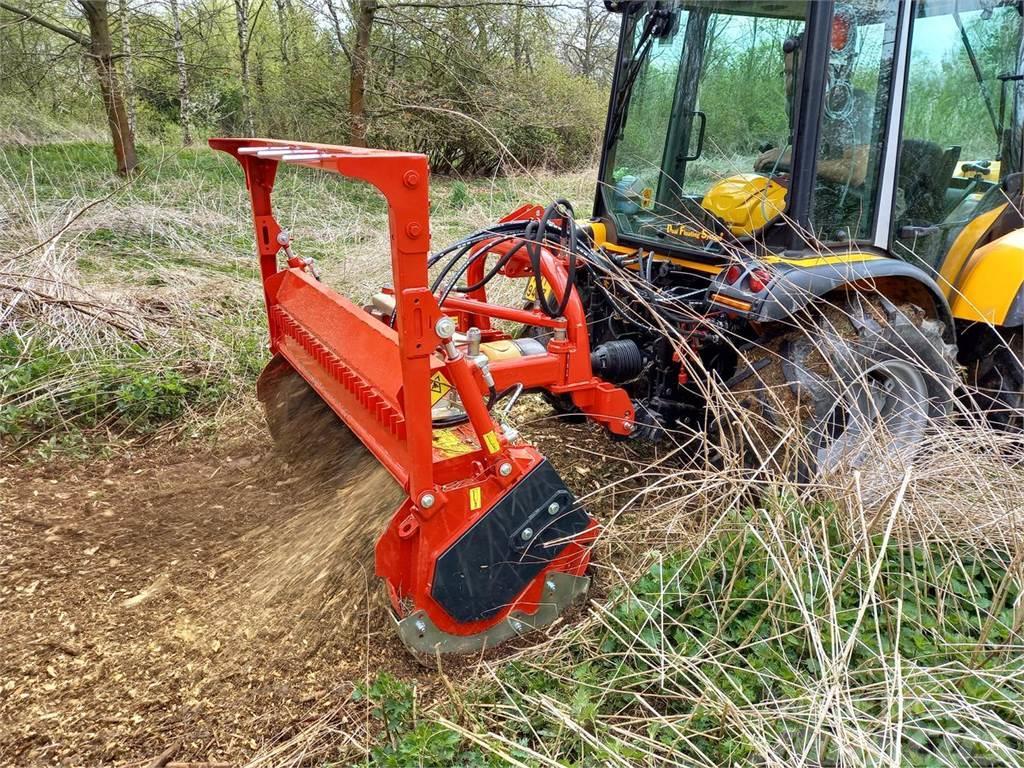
628,426
553,508
283,238
527,534
505,469
421,626
445,327
517,625
427,500
549,584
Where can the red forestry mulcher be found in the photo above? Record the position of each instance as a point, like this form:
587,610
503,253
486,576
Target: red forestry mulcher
490,542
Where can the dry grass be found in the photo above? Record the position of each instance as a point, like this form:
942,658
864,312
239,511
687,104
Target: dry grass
135,308
895,666
646,680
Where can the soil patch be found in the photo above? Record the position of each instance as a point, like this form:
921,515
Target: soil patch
213,601
137,615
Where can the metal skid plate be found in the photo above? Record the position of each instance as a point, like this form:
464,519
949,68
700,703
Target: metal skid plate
426,641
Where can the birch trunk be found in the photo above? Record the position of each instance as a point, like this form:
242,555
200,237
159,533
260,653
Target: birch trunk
184,102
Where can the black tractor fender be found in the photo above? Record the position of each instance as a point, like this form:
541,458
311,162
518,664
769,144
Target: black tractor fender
794,284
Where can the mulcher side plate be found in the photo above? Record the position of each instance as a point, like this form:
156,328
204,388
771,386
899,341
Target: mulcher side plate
494,560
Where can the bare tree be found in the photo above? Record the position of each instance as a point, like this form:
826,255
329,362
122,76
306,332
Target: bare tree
126,49
99,47
244,36
184,109
590,46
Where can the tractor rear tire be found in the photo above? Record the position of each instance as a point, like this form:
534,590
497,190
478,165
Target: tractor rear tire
813,396
996,376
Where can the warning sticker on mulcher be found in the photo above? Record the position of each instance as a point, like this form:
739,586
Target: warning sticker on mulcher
530,294
439,387
491,441
476,498
448,443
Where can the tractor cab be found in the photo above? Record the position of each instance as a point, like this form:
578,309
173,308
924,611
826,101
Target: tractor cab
796,127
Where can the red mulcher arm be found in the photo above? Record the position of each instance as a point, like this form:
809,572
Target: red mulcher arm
489,542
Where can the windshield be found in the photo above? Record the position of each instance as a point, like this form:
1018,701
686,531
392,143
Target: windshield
701,98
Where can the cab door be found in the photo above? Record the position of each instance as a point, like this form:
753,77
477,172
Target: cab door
960,146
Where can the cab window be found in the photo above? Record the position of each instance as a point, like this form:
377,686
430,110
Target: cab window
854,119
701,102
957,142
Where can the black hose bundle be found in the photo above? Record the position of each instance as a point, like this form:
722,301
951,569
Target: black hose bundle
531,235
556,230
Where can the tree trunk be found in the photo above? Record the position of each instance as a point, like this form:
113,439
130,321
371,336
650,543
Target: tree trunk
283,26
242,19
184,103
357,77
102,53
517,37
589,39
126,48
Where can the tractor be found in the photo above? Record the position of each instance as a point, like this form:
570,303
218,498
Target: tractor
813,206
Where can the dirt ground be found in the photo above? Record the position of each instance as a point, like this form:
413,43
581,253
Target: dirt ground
133,617
162,600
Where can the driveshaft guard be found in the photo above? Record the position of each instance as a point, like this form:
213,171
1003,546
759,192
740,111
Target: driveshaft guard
490,564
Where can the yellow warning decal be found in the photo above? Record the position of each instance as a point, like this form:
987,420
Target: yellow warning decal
476,498
491,441
530,294
448,443
439,387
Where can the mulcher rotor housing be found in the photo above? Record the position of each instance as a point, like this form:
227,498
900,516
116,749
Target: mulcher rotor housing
489,542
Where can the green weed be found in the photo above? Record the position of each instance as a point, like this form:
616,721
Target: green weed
407,741
45,389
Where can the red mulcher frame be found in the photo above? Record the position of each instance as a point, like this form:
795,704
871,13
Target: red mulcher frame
377,379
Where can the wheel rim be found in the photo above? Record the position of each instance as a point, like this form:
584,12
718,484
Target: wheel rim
890,398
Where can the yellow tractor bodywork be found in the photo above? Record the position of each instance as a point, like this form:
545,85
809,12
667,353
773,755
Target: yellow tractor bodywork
991,277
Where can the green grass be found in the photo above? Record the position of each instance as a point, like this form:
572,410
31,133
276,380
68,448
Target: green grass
788,635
